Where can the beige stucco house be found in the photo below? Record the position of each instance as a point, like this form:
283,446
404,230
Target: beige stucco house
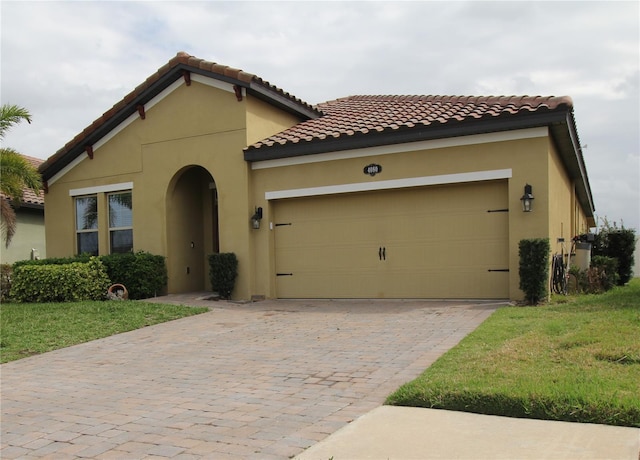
29,239
360,197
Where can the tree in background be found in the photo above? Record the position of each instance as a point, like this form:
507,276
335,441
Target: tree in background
618,243
16,173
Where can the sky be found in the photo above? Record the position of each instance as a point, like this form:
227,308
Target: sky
68,62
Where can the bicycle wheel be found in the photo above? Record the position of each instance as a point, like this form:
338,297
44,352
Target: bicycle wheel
558,276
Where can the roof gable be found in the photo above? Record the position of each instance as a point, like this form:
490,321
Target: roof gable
181,66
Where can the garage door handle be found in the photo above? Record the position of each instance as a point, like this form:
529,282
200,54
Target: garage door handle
382,253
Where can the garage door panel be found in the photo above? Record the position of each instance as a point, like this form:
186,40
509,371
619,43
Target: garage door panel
439,242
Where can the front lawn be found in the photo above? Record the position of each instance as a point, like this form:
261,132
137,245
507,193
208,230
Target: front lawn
29,329
577,359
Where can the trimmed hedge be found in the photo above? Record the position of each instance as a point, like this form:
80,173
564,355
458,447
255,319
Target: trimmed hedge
143,274
534,269
71,282
223,270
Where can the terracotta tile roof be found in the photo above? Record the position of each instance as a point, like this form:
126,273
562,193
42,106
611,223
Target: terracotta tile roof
155,83
29,197
358,115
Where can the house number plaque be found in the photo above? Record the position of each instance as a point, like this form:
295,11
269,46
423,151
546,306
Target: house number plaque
372,169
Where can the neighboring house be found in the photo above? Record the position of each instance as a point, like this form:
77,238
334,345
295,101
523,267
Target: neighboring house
360,197
29,239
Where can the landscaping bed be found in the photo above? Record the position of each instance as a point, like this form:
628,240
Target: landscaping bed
576,359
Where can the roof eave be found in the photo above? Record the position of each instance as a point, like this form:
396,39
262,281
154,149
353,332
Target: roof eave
25,205
67,154
400,136
560,122
566,138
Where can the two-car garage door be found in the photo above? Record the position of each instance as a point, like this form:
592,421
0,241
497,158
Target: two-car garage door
426,242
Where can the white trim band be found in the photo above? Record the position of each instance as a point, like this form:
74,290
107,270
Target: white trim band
444,179
101,189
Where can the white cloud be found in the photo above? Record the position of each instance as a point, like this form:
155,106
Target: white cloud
69,61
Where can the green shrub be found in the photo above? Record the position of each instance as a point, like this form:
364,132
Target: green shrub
6,272
619,243
53,261
601,275
223,270
60,282
622,244
534,269
143,274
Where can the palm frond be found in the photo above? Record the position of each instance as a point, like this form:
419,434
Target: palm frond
7,221
11,115
16,174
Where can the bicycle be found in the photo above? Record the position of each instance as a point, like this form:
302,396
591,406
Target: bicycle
563,282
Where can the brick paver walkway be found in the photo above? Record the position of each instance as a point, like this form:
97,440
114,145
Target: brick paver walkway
262,380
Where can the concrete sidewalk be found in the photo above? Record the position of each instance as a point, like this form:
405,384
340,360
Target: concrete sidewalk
389,432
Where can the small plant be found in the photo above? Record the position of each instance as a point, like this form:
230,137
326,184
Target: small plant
223,270
534,269
606,269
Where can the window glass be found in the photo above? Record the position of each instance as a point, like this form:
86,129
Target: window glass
88,243
120,222
87,212
87,225
121,241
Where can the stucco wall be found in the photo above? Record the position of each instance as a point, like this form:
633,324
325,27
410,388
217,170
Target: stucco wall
527,158
29,235
199,131
263,120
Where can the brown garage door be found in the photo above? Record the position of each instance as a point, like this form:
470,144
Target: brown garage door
427,242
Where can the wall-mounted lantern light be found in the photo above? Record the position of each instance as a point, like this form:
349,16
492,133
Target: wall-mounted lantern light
527,198
256,218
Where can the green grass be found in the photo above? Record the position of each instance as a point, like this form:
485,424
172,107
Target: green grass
576,359
29,329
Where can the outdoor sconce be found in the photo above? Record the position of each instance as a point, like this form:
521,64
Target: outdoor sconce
256,218
527,199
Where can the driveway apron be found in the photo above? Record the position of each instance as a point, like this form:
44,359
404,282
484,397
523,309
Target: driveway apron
261,380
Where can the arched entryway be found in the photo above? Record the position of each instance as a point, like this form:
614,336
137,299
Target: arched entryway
192,229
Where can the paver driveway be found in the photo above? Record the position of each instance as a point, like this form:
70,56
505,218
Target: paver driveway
263,380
